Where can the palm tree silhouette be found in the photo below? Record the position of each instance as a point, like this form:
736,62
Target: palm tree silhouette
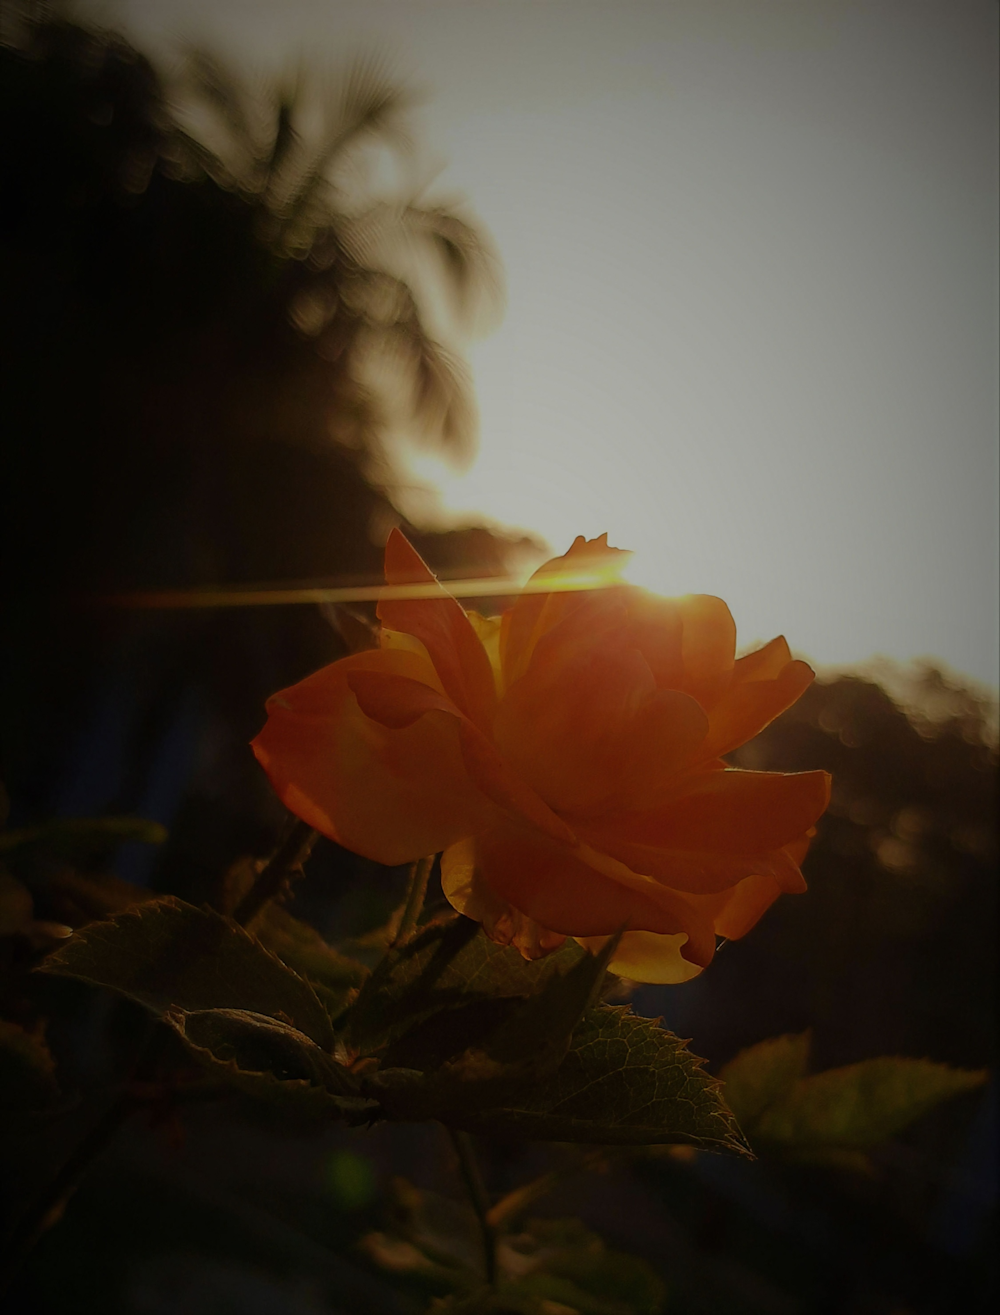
385,283
219,305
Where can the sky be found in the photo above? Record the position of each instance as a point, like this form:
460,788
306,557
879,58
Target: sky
750,249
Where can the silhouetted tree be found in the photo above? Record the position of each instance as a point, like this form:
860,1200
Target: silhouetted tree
216,314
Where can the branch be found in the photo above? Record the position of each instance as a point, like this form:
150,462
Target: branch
416,890
284,864
476,1189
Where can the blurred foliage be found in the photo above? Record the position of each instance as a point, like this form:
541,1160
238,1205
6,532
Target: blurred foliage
71,835
901,906
547,1267
833,1117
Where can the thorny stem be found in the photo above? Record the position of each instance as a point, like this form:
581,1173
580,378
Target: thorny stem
415,891
474,1185
281,867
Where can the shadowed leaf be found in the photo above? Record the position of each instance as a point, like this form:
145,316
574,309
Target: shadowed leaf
451,965
857,1107
72,834
166,952
536,1035
332,975
763,1074
270,1061
549,1265
623,1080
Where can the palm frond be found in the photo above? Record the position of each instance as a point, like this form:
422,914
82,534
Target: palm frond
440,389
221,89
370,104
285,140
470,261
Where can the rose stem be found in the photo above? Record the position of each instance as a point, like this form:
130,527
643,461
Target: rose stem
415,891
283,864
474,1185
517,1201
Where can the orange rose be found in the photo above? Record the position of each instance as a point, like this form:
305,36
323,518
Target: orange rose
566,757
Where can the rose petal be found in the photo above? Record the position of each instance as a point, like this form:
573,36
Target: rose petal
392,795
560,889
645,956
397,702
749,901
727,811
766,663
443,628
666,735
696,872
708,646
586,724
469,894
507,790
751,703
656,628
534,614
555,724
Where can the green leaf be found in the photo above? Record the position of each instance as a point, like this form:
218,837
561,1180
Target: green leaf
166,952
270,1061
27,1070
863,1104
86,897
549,1264
332,975
451,965
601,1281
484,1052
504,1038
624,1080
350,1180
73,834
763,1074
537,1034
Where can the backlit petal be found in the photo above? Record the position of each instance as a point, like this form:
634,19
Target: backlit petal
392,795
560,889
748,902
645,956
765,663
751,703
443,628
396,702
696,872
555,724
729,812
708,646
534,614
469,894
